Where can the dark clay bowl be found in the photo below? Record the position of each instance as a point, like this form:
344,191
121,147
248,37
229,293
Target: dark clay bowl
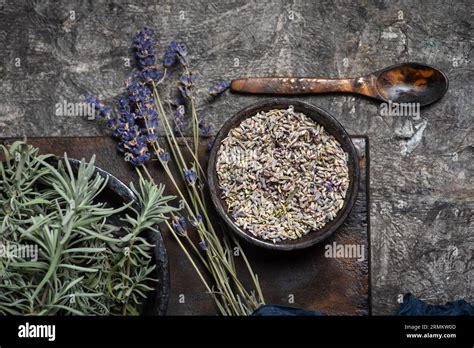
115,194
333,127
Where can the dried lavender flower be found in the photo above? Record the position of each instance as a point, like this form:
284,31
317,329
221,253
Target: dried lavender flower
282,175
219,88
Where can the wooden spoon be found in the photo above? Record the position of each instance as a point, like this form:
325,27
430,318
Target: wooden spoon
403,83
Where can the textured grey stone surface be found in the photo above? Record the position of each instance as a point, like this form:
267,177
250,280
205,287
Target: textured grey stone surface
422,187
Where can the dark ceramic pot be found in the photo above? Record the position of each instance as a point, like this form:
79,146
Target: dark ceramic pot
333,127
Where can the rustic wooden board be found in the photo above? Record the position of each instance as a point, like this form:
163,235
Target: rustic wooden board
303,278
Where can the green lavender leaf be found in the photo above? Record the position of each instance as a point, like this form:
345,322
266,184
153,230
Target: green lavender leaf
82,266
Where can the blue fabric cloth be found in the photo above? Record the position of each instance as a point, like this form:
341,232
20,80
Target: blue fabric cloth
272,310
410,306
413,306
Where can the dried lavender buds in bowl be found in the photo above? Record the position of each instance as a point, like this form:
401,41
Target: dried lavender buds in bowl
283,174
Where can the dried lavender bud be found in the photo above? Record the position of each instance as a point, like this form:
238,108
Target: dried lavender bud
282,175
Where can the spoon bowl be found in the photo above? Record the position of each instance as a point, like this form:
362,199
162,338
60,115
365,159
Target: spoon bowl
411,83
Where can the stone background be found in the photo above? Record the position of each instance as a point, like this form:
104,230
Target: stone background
422,187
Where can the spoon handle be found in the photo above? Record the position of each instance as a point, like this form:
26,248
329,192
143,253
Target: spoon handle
303,85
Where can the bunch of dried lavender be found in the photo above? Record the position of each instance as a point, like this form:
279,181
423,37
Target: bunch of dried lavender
78,263
136,130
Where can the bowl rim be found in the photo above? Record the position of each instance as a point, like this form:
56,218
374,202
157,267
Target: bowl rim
313,112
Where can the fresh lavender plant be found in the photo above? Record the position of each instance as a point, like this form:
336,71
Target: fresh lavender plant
84,265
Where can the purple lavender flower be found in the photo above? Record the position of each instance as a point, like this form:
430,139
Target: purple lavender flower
187,78
127,117
149,116
135,128
144,48
182,53
147,61
206,128
170,56
133,79
175,52
136,150
164,156
186,84
182,222
134,147
219,88
141,159
94,102
179,225
151,74
126,125
190,176
179,119
203,245
186,92
111,122
138,146
151,124
103,111
141,96
133,140
133,87
197,221
124,104
151,137
180,112
143,35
